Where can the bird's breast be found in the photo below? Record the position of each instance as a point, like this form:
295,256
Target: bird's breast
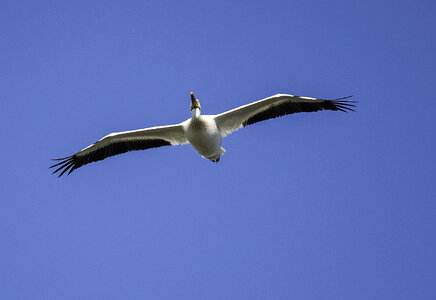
202,133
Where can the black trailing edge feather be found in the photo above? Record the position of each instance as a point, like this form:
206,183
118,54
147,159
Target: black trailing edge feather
70,163
291,107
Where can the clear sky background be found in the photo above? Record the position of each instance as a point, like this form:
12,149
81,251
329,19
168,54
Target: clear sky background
322,205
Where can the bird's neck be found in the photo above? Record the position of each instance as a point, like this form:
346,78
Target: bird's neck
195,112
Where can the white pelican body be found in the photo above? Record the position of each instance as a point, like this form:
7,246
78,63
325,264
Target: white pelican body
203,135
204,132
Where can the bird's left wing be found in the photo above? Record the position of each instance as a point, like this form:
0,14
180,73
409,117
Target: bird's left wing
273,107
121,142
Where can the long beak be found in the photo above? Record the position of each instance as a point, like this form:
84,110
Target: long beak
193,98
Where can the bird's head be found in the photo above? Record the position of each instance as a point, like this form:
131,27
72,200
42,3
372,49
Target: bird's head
194,102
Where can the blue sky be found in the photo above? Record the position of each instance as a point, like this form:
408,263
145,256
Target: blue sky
321,205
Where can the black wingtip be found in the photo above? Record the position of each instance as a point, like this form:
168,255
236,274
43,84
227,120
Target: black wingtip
344,105
63,165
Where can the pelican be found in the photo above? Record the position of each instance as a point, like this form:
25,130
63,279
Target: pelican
204,132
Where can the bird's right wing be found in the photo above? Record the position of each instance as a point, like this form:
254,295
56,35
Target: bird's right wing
121,142
273,107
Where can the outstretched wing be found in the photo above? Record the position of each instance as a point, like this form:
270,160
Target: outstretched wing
276,106
121,142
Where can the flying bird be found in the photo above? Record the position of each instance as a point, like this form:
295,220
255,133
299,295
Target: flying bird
204,132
